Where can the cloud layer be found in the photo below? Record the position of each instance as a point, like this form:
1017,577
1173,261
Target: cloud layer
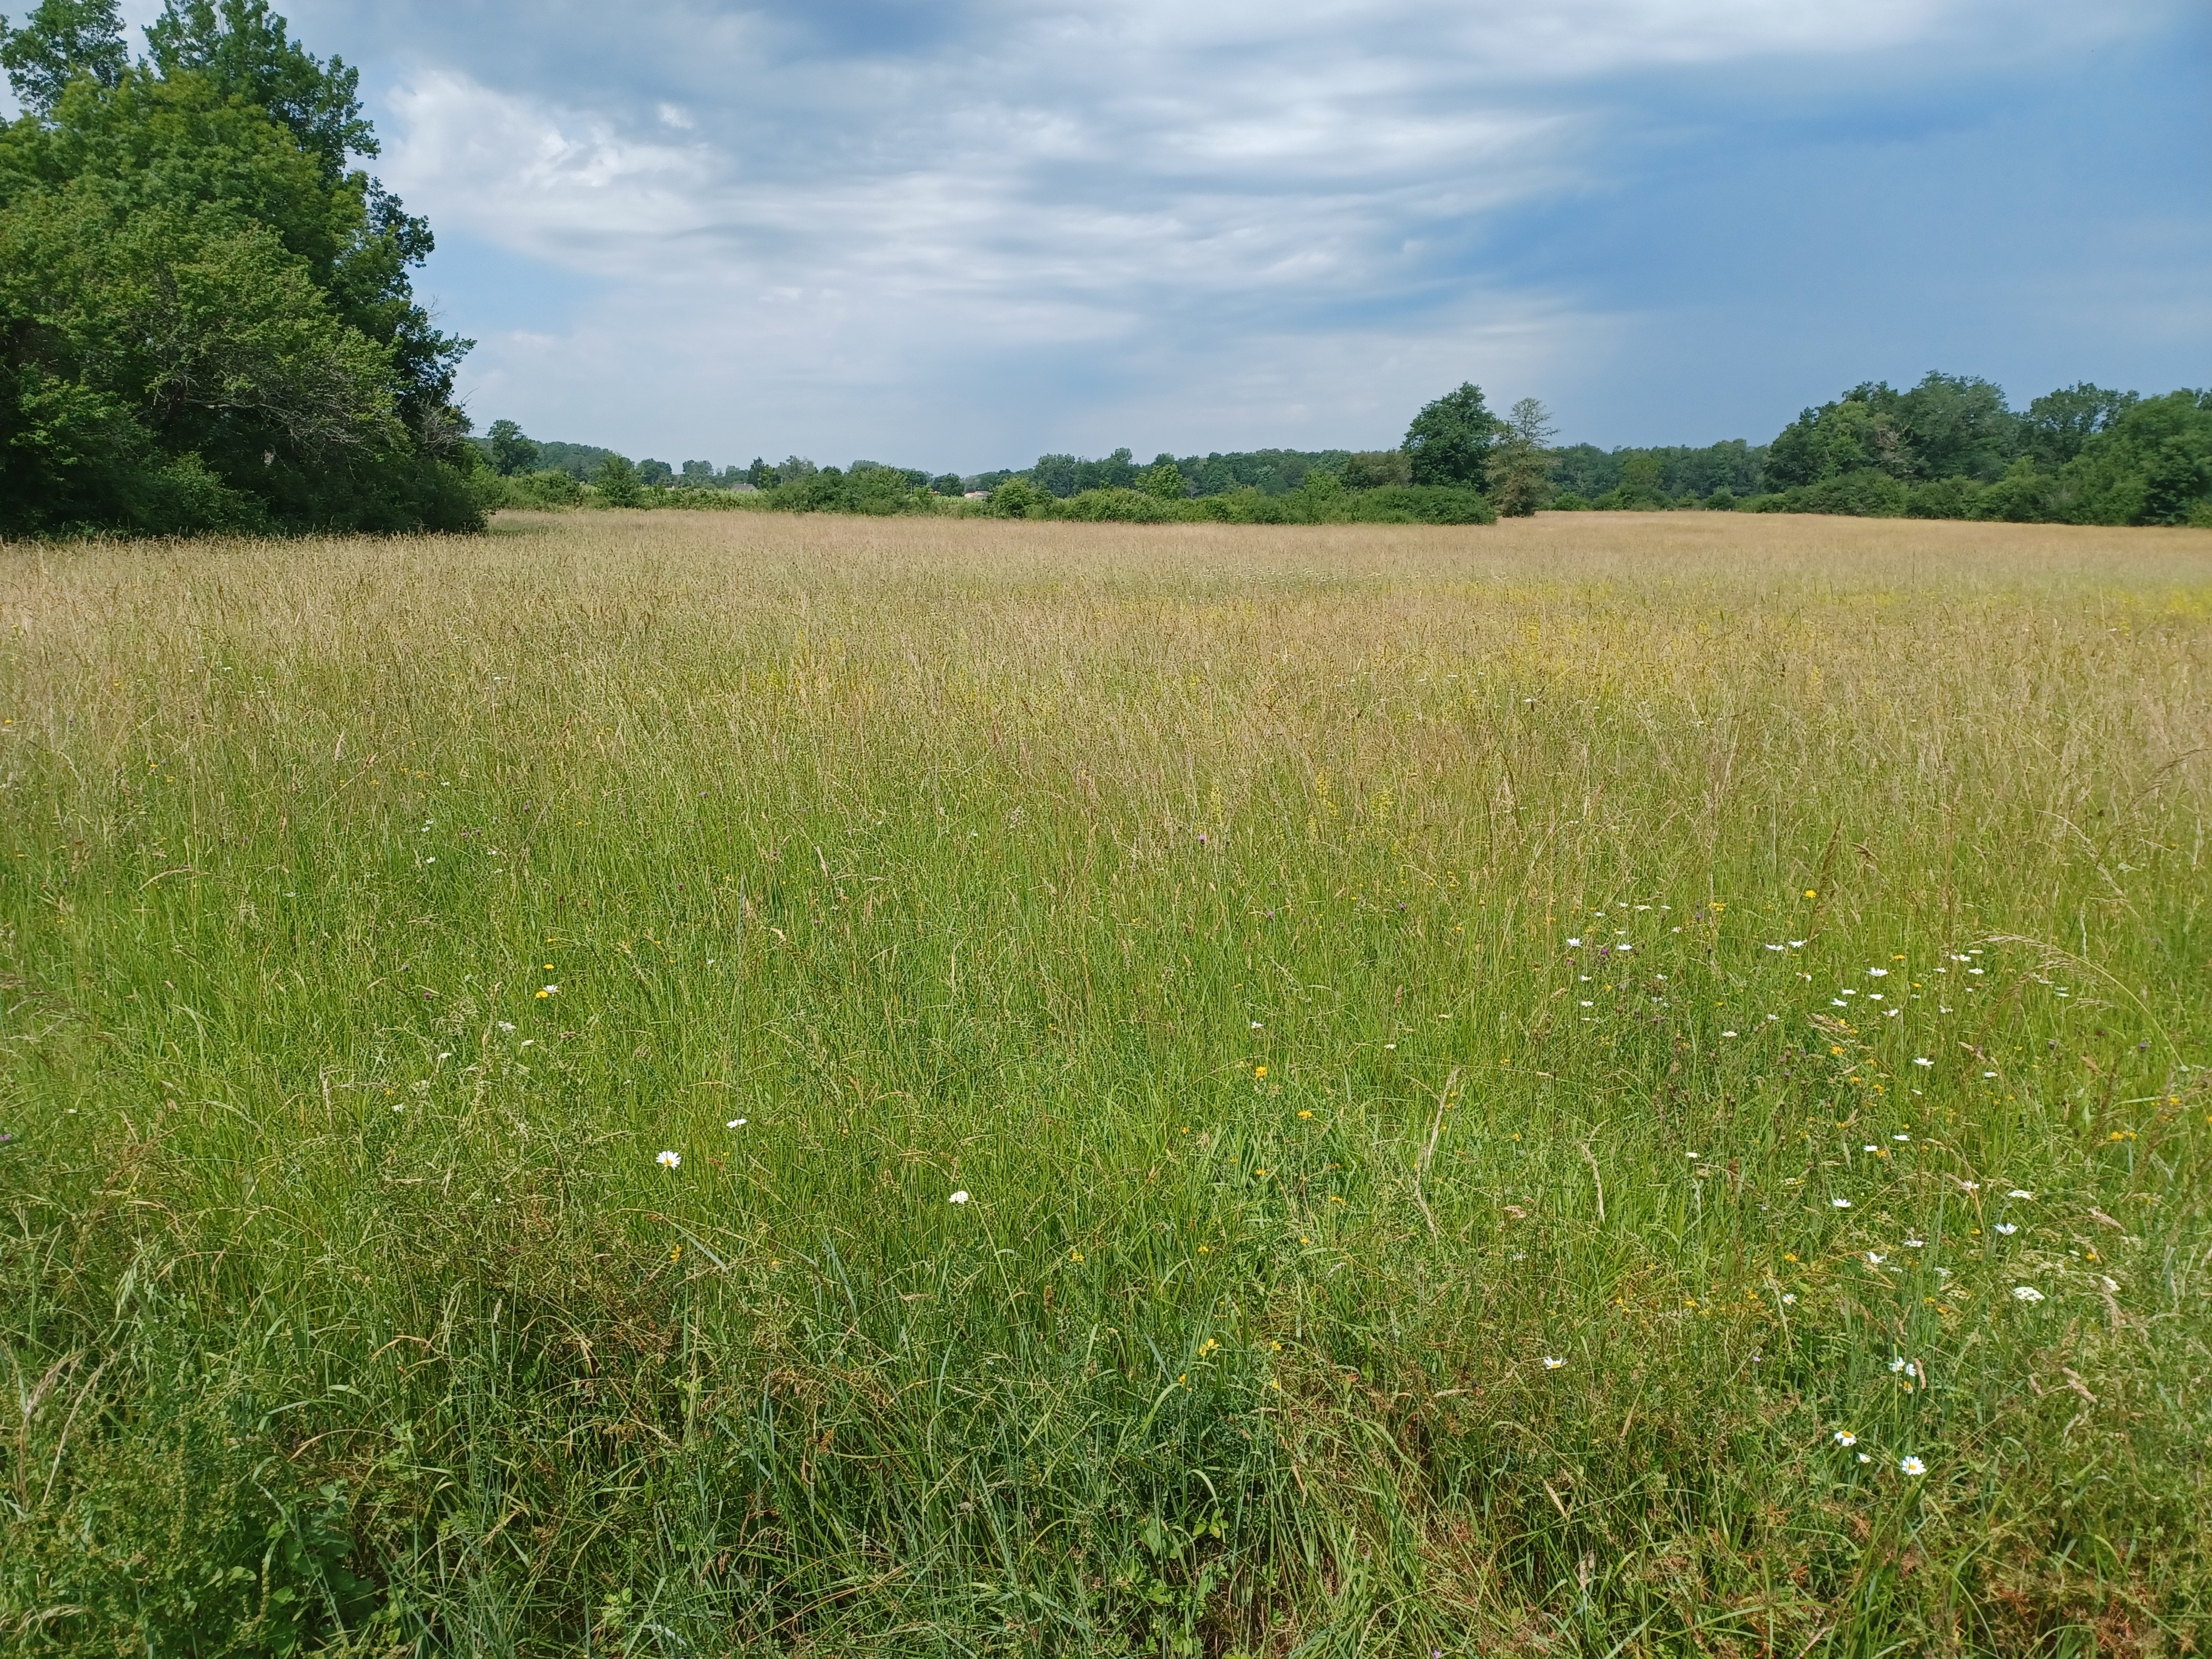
957,235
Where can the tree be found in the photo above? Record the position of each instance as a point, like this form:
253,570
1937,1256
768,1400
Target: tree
202,325
59,42
1163,480
1520,461
1374,468
1957,426
654,475
946,483
242,46
2058,423
511,453
1450,441
616,482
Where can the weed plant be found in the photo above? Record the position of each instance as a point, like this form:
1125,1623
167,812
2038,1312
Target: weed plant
731,1084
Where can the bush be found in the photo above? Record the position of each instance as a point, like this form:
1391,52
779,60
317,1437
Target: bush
1569,502
1421,504
1117,507
1944,498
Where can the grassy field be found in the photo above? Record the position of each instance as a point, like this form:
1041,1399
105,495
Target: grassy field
672,1085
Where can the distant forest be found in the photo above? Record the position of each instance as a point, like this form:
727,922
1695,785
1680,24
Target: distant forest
1950,447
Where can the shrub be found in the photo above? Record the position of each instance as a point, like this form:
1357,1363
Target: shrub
1421,504
1944,498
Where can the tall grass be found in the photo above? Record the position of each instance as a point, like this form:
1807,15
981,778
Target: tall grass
1505,1080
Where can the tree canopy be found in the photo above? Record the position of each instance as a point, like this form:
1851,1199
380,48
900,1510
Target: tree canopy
206,317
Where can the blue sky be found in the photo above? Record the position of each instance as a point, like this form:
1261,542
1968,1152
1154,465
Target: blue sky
956,235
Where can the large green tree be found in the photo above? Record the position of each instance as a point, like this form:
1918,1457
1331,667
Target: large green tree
206,319
1450,441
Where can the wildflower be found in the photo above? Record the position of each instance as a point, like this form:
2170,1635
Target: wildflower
1870,1146
1914,1243
1971,1186
1574,941
1552,1365
1811,893
1910,1466
2026,1293
1075,1255
1310,1113
506,1025
1845,1438
1900,1136
1259,1071
1899,1363
1840,1203
957,1197
1256,1024
1590,1005
549,991
1923,1060
1728,1034
1788,1297
1778,947
735,1123
1796,944
1989,1074
1875,1258
2006,1228
669,1160
2016,1192
1863,1458
1878,973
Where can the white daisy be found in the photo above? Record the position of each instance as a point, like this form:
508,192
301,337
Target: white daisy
669,1160
957,1197
1910,1466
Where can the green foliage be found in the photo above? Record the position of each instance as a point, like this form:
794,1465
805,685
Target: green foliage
1521,463
242,47
615,482
1372,469
2058,423
1591,473
60,40
1163,480
1228,929
1449,442
1018,498
511,452
203,327
1420,504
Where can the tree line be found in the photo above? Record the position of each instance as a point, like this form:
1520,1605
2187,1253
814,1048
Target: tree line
1948,447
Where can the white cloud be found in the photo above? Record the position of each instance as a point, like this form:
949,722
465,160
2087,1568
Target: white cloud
1224,214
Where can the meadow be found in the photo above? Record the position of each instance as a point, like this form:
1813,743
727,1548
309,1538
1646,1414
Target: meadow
745,1083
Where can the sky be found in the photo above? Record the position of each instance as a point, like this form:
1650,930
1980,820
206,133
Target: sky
958,235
